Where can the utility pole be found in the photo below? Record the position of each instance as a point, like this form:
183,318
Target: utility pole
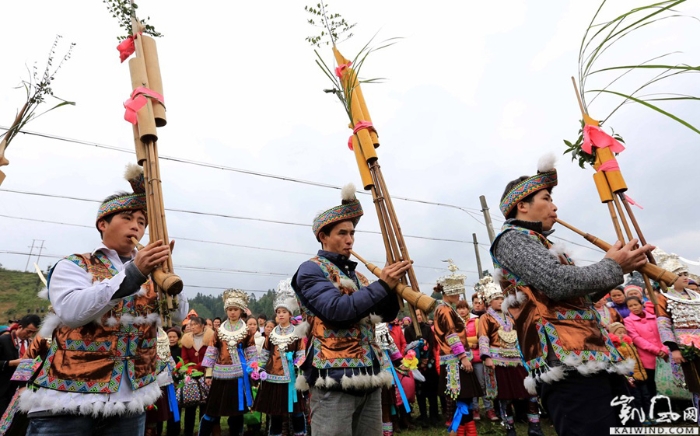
478,259
487,218
30,255
40,250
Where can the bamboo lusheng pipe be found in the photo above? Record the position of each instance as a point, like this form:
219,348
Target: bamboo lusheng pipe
165,280
653,271
155,82
340,59
416,299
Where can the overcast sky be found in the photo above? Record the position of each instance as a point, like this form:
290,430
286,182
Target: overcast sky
476,93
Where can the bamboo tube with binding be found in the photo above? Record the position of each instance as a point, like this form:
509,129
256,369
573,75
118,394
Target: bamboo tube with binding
653,271
416,299
161,278
155,82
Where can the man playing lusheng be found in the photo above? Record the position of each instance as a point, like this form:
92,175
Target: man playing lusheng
561,341
100,370
342,366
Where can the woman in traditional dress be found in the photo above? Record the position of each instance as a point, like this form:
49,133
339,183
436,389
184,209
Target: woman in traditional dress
279,360
457,378
227,359
498,347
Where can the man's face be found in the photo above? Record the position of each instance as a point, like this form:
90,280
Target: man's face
26,333
478,305
117,233
340,240
217,323
541,209
419,316
261,322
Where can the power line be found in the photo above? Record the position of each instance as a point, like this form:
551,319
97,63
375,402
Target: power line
179,238
232,169
193,268
220,215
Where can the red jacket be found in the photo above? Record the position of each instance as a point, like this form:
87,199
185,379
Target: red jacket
192,355
398,337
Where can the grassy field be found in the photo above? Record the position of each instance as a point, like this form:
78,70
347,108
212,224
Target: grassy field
18,291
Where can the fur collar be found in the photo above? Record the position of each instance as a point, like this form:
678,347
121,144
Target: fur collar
188,338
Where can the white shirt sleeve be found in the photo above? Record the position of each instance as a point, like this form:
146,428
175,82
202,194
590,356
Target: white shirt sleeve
76,299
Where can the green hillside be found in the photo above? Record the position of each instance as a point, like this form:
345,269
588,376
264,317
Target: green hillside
18,291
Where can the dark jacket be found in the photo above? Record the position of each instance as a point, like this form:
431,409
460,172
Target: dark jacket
8,352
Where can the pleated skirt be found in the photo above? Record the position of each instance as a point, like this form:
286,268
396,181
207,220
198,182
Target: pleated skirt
273,399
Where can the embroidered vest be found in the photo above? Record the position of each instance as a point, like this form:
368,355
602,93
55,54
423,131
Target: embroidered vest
340,348
92,358
571,326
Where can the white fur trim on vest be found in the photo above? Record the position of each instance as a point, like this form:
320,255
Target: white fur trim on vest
50,323
59,402
347,283
530,385
301,329
301,384
346,382
497,275
330,382
374,318
43,294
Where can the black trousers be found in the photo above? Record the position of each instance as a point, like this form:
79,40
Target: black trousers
580,405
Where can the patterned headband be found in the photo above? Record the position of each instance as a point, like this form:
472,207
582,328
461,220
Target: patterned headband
351,211
522,190
122,204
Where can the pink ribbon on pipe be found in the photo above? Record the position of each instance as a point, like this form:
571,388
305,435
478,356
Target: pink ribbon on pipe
359,126
126,48
632,202
340,69
138,100
594,136
610,165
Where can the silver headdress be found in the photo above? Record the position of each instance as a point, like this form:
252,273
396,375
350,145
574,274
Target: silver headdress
454,283
669,262
489,289
285,297
235,298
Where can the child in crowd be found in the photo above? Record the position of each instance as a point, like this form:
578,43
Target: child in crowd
637,380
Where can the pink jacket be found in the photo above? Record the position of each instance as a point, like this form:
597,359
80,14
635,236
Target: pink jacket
473,338
645,335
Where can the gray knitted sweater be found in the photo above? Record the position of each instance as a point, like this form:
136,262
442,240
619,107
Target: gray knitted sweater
534,264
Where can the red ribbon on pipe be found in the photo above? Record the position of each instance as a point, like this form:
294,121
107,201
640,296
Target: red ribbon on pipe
137,101
340,69
126,48
594,136
359,126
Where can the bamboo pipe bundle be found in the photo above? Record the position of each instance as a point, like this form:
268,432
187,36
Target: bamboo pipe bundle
649,269
145,72
611,188
364,142
416,299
